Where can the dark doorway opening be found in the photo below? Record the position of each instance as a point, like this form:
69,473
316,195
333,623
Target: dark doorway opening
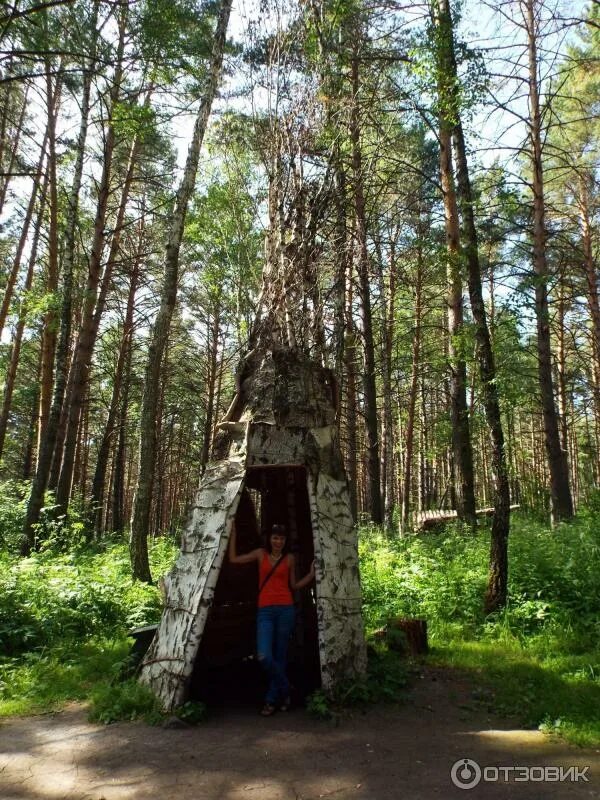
226,671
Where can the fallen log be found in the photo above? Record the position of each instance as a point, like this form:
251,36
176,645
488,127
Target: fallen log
427,520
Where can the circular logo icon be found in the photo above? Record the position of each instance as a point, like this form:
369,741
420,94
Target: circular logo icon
465,773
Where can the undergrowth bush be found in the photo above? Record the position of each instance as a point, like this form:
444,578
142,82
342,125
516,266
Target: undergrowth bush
64,617
127,700
540,654
554,580
52,597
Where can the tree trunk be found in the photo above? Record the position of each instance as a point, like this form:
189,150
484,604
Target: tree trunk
387,433
339,297
461,438
560,493
49,330
118,488
27,468
412,397
369,379
15,146
97,499
160,330
213,348
350,393
18,337
47,437
498,572
591,277
78,379
16,265
498,569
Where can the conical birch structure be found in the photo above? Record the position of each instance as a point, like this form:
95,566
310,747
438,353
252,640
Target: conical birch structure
283,415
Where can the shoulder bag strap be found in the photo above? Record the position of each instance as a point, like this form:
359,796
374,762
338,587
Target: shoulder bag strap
272,570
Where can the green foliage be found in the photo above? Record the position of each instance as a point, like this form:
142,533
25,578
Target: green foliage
192,712
438,577
539,657
442,577
318,705
174,36
42,680
387,675
54,597
128,700
12,513
63,619
131,119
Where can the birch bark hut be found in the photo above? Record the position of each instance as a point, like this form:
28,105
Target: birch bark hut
160,331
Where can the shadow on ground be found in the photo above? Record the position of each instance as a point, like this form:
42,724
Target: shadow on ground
384,754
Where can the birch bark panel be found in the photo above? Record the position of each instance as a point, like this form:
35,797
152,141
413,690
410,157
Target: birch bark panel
190,586
269,444
340,627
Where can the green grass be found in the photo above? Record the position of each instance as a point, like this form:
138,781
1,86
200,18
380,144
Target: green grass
64,618
63,624
44,680
559,694
538,659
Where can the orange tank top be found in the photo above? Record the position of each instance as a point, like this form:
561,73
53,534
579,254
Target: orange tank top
277,589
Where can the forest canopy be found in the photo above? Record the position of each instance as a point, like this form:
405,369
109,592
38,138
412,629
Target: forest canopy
414,189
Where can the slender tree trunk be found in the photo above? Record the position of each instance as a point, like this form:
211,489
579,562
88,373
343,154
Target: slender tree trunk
498,572
217,404
350,394
5,106
78,380
561,369
387,433
160,330
498,569
461,437
49,330
18,337
591,277
31,437
369,379
560,493
339,323
118,488
16,265
14,152
413,391
47,437
213,347
97,500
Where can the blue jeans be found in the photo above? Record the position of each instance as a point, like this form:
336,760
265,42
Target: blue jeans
274,626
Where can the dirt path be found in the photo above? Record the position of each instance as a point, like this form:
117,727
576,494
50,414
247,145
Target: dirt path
384,754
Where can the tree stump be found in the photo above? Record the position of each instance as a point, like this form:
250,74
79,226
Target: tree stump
415,634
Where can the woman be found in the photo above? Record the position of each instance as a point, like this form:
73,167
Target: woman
275,615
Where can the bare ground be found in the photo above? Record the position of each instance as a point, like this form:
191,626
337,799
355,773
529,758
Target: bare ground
383,754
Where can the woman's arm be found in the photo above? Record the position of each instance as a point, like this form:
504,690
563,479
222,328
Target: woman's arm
246,558
308,578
